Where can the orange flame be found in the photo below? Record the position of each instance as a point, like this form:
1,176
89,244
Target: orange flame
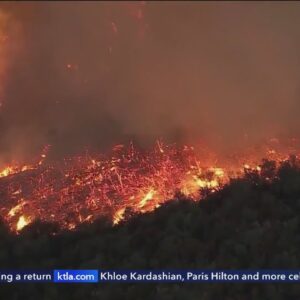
22,222
84,188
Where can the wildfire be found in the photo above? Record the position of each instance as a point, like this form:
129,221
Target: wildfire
81,189
22,222
10,170
6,171
16,169
146,198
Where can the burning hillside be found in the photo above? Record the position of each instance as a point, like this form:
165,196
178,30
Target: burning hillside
126,182
90,75
146,134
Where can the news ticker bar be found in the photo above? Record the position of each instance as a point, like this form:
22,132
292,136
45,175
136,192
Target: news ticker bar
99,276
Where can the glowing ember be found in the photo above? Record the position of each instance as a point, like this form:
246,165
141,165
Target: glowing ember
15,210
119,215
6,171
22,222
146,198
83,188
10,170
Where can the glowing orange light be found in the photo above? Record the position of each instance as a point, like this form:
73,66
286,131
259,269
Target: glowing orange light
22,222
84,187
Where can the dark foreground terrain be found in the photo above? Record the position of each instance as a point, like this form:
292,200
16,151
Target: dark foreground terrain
251,223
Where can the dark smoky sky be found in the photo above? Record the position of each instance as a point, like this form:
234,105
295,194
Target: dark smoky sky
92,74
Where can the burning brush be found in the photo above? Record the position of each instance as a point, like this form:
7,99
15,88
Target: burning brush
82,188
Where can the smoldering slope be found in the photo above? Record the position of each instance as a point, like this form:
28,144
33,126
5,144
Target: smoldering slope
92,74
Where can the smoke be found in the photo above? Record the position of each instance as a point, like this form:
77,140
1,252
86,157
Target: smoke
9,29
91,74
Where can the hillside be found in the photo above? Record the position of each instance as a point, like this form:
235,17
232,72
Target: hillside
252,222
